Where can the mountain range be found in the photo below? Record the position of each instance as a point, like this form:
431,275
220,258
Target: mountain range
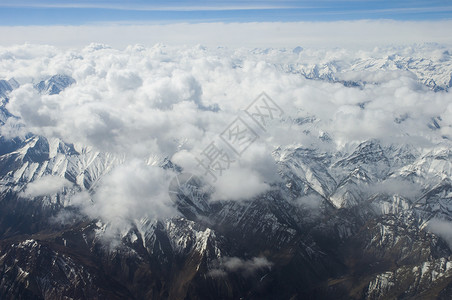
371,221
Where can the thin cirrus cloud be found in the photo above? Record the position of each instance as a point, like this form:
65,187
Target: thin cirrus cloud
145,6
26,13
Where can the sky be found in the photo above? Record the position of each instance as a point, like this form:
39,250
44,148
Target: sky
251,24
82,12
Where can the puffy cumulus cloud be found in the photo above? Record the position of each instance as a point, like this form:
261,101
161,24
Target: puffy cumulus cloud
239,184
246,267
113,108
249,174
233,176
174,101
123,80
130,192
240,177
45,186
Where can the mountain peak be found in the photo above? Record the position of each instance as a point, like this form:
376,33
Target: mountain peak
55,84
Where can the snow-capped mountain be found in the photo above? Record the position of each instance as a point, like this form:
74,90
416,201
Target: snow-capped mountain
6,86
55,84
370,220
332,222
358,69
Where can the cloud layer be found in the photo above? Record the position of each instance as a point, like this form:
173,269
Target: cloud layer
356,34
145,104
151,100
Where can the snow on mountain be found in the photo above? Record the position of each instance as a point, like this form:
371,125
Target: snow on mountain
341,219
429,64
55,84
6,86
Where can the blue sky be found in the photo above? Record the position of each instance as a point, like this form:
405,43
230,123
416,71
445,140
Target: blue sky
82,12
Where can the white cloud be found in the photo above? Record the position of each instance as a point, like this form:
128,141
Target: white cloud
143,102
239,184
45,186
391,186
123,80
130,192
235,264
442,228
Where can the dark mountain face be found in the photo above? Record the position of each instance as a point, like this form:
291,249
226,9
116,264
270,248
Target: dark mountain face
274,246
